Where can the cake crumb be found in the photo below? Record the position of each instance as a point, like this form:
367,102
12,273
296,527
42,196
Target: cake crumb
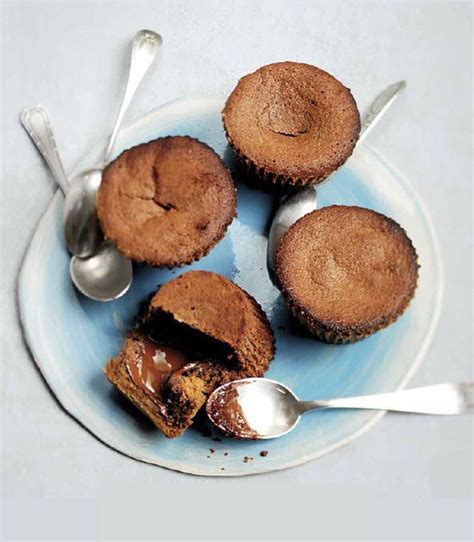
264,453
226,453
208,456
211,450
222,468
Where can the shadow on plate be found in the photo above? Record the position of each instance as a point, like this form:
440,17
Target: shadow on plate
141,422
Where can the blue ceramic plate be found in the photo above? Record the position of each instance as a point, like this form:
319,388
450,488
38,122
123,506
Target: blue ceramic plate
71,337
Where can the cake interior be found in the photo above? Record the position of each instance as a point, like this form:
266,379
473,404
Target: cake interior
162,327
168,369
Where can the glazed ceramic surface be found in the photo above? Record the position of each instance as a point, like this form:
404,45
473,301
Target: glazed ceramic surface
71,337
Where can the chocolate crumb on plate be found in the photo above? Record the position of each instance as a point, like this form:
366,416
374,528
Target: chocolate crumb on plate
264,453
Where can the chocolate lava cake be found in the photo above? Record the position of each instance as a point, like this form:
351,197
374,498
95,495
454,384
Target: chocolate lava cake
167,202
346,272
291,124
199,331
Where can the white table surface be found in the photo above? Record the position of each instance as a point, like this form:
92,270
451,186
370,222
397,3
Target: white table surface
408,478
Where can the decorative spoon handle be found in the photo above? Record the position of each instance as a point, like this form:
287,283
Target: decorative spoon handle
146,45
439,399
36,122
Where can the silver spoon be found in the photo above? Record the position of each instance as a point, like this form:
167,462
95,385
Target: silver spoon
108,274
259,408
82,230
296,205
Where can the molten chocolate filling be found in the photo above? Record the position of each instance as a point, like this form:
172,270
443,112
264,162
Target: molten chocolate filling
225,411
151,369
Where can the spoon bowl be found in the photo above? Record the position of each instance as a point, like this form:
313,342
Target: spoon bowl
103,277
81,226
266,407
291,209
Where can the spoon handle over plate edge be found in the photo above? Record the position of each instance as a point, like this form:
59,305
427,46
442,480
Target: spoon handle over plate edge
378,107
441,399
146,45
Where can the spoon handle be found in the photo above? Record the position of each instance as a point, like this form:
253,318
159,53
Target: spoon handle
378,107
36,122
376,111
146,45
439,399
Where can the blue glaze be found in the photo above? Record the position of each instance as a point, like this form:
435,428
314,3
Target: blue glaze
71,337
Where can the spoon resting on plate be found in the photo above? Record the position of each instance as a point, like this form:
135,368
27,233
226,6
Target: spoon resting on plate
108,274
296,205
260,408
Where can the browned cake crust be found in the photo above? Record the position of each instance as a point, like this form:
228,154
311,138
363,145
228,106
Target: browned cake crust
212,316
291,124
346,272
166,202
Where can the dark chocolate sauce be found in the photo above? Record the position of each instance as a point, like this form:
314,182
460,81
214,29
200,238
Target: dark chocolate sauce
224,410
152,367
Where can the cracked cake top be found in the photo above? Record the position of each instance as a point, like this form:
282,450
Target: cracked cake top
166,202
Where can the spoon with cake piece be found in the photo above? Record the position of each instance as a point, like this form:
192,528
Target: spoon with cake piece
260,408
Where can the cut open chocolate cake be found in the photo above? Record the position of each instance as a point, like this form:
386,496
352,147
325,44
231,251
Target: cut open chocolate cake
199,331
